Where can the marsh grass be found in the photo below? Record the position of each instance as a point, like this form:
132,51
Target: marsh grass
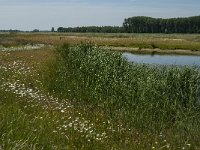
150,41
82,97
27,125
152,100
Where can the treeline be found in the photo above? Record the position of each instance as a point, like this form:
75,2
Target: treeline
96,29
142,24
11,30
16,31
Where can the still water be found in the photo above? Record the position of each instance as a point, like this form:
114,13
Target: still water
163,59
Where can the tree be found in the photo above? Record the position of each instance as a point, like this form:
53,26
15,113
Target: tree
52,29
142,24
36,30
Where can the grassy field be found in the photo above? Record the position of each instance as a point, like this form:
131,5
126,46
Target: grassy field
83,97
165,42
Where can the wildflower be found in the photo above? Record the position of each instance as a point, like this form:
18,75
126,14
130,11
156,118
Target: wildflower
70,125
168,145
188,145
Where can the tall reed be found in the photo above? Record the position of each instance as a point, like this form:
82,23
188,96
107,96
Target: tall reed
152,99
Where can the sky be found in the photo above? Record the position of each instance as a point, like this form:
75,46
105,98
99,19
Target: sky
45,14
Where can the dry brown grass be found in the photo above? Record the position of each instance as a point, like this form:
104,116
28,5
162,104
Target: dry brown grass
141,41
32,57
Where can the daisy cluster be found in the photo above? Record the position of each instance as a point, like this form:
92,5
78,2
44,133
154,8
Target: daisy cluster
18,67
19,48
34,96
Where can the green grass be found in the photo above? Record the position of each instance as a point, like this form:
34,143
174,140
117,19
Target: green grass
151,100
32,119
82,97
27,125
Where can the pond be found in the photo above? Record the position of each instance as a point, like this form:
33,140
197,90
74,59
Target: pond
163,59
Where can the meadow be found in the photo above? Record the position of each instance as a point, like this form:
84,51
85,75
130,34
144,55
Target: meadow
80,96
166,43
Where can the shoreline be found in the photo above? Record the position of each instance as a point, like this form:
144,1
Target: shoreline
153,51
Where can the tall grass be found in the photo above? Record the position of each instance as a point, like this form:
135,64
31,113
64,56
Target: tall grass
108,103
33,120
150,99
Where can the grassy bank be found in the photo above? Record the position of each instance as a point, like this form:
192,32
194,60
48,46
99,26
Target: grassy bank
148,99
82,97
33,119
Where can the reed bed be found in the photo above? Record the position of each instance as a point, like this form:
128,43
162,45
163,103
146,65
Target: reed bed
83,97
150,99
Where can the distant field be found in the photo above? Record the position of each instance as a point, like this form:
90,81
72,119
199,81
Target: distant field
122,41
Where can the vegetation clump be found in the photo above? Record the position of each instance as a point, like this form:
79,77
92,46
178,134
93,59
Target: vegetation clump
95,100
150,99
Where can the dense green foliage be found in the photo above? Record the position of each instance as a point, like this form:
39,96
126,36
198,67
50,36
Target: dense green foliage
142,24
149,98
96,29
103,102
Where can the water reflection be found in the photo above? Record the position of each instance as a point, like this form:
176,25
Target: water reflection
163,59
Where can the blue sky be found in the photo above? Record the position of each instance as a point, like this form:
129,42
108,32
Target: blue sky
44,14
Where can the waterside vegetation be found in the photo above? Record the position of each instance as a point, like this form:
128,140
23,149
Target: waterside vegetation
150,100
84,97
